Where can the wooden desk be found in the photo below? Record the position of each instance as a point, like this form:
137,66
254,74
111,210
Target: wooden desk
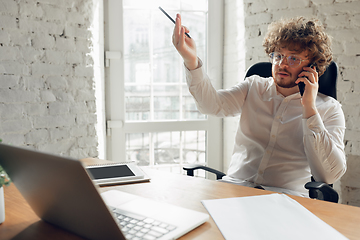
22,223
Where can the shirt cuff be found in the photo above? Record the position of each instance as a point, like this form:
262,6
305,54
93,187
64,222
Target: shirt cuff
196,75
313,124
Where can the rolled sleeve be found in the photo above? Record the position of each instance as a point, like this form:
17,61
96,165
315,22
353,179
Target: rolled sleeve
195,76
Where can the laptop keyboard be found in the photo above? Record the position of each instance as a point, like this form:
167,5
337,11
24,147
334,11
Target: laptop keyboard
136,227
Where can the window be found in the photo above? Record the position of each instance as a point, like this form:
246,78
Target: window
152,118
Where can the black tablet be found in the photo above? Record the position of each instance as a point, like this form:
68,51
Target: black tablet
116,173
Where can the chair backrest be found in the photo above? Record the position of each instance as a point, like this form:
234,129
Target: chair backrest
327,81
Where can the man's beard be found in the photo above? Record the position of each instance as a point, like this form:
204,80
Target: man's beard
281,83
286,85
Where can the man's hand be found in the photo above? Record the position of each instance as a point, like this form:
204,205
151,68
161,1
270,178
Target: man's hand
311,80
184,45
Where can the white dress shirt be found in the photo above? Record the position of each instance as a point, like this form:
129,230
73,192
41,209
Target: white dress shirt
274,145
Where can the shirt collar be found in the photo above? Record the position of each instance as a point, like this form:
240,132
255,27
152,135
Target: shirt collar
271,92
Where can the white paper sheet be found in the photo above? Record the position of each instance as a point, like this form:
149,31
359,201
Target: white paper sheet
272,216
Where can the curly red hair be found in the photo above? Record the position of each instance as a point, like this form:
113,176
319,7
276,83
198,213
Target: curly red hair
301,34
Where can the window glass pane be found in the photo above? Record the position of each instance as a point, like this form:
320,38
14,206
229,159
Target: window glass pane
194,146
137,102
166,102
189,109
136,44
194,5
148,4
154,71
155,85
137,148
166,148
200,5
167,64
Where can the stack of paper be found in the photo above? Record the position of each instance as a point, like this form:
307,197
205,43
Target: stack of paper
273,216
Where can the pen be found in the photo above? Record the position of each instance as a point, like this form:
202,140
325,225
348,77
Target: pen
172,20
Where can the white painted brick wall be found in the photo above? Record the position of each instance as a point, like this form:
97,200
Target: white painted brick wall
47,100
341,19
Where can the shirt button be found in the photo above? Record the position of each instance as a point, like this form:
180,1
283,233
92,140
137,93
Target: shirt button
268,152
261,172
273,136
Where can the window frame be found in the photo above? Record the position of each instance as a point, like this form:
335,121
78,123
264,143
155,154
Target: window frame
116,125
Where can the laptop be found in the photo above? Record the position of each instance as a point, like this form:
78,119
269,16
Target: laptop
60,192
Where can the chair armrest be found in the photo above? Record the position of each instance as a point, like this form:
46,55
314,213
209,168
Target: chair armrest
191,167
322,191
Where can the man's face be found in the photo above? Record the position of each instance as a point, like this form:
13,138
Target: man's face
285,75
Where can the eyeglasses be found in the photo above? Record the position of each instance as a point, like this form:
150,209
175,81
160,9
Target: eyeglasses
293,60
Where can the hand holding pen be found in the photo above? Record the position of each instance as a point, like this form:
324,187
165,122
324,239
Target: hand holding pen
183,43
186,33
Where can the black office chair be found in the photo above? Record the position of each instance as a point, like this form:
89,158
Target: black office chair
327,86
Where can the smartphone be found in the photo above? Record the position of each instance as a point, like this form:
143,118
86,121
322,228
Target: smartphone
301,85
172,19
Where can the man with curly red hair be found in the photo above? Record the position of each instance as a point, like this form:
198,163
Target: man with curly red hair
284,137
